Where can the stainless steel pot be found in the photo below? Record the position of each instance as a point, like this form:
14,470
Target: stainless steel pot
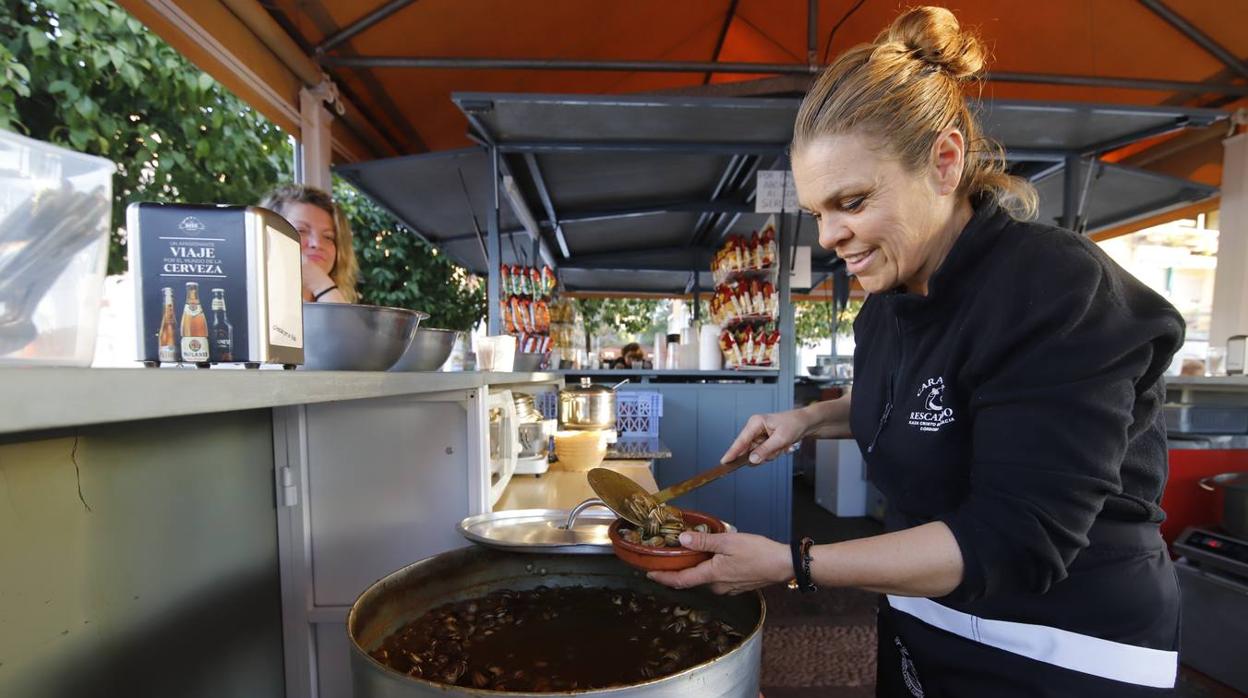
587,406
475,571
1234,488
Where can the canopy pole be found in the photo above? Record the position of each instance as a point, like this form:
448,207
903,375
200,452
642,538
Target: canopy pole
493,248
315,137
783,466
364,23
1230,283
1198,37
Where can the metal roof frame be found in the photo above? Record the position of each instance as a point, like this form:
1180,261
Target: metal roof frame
594,134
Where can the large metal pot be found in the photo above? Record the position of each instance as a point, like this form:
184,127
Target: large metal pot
587,406
476,571
1234,488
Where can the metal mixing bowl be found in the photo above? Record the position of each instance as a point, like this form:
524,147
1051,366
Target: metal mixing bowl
349,337
529,362
429,349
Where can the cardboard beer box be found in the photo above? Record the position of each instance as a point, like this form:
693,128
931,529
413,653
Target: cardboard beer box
215,284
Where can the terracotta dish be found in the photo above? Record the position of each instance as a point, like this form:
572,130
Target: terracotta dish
648,558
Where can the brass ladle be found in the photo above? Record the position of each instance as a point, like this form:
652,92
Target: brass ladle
615,489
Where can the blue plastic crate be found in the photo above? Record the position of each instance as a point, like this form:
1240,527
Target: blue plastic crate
637,413
548,404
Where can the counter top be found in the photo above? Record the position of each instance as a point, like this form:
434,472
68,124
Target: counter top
1207,382
52,398
638,448
1210,442
639,372
561,489
643,376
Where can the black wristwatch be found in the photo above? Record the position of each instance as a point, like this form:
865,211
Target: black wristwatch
801,565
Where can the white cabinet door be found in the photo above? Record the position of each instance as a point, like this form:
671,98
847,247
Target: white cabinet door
365,487
388,481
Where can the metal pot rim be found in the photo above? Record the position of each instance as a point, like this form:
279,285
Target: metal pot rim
754,632
1237,481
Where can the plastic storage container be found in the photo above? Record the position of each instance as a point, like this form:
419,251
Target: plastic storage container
55,211
637,413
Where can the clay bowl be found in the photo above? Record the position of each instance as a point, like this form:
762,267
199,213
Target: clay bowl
643,557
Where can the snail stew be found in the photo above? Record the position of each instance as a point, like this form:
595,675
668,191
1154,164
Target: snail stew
556,639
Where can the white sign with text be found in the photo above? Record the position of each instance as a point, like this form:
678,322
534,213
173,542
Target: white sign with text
776,192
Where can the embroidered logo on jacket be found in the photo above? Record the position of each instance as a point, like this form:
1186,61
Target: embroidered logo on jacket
909,674
934,414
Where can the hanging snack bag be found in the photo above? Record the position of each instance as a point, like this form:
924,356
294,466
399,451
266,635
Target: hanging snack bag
509,324
549,280
767,247
728,345
535,283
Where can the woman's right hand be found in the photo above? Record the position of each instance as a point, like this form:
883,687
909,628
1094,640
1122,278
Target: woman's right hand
766,436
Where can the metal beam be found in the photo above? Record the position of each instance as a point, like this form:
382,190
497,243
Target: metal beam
812,29
1121,83
565,64
1201,39
324,22
1070,191
658,259
494,250
1051,169
1114,143
520,207
730,172
362,24
587,216
531,160
723,33
1034,155
642,147
441,62
675,207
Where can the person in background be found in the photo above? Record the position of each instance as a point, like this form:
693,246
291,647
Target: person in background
631,356
329,267
1007,394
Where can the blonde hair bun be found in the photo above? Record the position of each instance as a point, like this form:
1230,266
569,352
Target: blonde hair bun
904,90
934,36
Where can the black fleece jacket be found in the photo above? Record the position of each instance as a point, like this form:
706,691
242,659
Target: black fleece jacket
1018,401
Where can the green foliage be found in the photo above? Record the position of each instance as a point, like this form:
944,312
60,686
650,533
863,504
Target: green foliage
813,321
86,75
400,270
624,316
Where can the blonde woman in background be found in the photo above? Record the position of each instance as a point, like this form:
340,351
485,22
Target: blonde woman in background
330,271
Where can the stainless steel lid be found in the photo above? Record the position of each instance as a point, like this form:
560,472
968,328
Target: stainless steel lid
541,531
587,387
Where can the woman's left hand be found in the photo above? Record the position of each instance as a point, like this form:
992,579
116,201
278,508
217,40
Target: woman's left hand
741,562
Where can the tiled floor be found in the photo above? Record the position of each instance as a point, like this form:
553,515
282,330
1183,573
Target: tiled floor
823,644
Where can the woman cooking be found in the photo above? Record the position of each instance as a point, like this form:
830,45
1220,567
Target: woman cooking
1006,399
329,267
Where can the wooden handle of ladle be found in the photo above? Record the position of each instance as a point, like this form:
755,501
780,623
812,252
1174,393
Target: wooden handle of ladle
700,479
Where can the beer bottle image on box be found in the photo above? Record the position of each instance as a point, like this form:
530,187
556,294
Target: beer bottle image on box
221,332
167,342
194,328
